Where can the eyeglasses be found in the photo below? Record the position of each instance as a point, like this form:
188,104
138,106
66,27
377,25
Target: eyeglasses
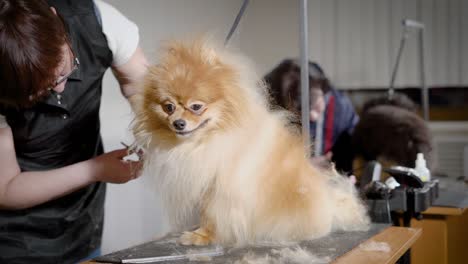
75,67
76,64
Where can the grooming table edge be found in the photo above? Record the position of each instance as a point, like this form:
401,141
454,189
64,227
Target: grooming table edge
399,240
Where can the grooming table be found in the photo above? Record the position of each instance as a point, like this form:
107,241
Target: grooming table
445,227
381,244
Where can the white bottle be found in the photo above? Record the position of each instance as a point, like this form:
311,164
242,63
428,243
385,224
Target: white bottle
421,168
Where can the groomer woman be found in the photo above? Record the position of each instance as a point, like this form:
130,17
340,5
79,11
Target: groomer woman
53,55
339,115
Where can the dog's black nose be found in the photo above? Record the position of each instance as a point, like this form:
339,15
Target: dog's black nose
179,124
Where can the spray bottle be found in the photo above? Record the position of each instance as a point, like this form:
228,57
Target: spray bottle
421,168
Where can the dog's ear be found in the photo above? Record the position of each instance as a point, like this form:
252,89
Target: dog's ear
210,56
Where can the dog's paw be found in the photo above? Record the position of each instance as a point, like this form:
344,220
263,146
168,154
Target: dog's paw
197,238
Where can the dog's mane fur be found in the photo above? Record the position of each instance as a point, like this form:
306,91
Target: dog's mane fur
248,178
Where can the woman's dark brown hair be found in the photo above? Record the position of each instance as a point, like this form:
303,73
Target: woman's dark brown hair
31,40
284,83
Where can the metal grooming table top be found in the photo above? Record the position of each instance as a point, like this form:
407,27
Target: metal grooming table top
324,250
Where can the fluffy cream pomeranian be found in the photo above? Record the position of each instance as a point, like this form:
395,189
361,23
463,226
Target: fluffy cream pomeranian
225,162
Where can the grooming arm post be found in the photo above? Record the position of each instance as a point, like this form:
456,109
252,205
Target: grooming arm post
236,22
318,135
404,36
408,24
422,75
304,44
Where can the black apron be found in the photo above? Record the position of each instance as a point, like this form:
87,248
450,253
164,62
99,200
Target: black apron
57,133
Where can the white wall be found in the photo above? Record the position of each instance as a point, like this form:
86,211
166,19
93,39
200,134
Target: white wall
133,215
356,41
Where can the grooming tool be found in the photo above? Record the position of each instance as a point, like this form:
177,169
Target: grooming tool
189,255
134,154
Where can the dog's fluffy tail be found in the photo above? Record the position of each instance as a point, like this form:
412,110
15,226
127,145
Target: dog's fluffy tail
350,213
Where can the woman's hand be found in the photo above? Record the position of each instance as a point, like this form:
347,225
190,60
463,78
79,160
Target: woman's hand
25,189
110,167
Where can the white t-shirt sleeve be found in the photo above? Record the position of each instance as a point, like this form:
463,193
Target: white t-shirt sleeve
121,33
3,122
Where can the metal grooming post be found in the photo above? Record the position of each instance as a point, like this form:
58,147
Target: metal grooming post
304,58
422,75
318,135
407,24
404,36
236,22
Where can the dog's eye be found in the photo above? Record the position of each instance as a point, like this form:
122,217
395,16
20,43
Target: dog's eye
196,107
169,108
